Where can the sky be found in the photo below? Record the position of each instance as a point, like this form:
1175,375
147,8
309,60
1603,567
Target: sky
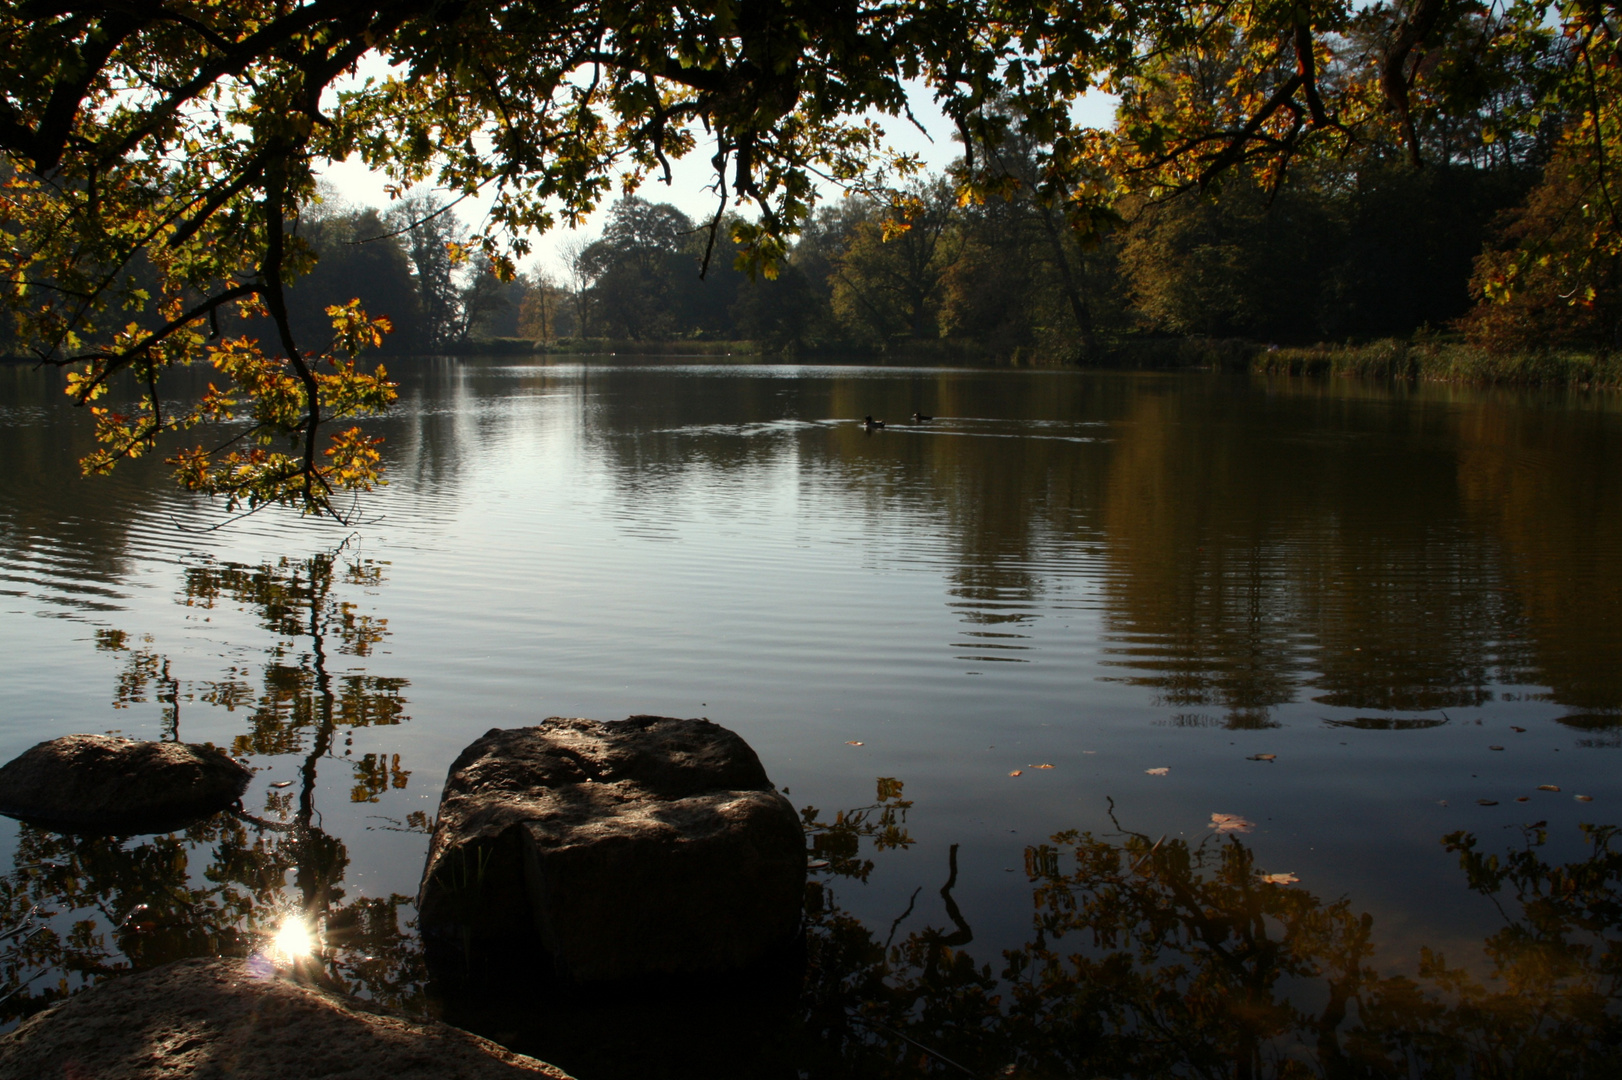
692,175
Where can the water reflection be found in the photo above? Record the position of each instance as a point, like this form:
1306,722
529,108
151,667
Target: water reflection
1249,573
303,704
1257,544
1331,558
1546,483
82,909
1311,543
1145,957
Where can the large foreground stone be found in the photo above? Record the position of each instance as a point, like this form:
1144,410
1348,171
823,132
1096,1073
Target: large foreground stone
215,1019
643,848
104,784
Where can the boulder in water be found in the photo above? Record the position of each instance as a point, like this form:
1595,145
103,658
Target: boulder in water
220,1017
622,852
103,784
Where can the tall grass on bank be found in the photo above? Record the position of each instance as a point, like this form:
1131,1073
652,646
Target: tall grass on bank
671,347
1427,361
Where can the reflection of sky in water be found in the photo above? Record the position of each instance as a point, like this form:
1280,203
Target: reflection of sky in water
1103,573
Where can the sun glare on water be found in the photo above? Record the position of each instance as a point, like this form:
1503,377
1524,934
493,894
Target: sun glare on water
293,940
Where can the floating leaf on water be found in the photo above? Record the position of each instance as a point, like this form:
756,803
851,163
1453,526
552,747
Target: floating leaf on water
1548,787
1262,757
1162,771
854,742
1017,772
1486,802
1043,766
817,864
1523,798
282,784
1519,730
1584,798
1231,823
1495,748
1280,879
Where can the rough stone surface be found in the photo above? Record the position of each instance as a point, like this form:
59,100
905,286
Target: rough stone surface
215,1018
647,847
105,784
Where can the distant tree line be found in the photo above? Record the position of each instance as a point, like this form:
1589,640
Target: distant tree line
1487,210
1348,250
1377,251
413,265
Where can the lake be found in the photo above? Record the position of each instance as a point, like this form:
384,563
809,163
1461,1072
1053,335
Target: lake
1096,687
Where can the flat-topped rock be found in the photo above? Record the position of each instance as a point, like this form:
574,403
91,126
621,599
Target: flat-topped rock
107,785
213,1019
646,847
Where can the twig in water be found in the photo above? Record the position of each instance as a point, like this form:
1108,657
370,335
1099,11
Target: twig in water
1148,853
903,915
888,1030
15,990
259,822
21,926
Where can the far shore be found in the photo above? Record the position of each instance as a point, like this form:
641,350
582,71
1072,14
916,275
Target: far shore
1420,360
1387,360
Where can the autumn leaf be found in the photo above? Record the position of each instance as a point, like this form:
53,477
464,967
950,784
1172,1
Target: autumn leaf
1231,823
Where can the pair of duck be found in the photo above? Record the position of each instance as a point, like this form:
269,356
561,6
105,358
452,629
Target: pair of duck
869,423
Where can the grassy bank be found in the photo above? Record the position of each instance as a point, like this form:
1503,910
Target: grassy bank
597,347
931,351
676,347
600,347
1443,362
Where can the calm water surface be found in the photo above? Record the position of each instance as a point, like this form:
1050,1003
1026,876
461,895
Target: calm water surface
1066,618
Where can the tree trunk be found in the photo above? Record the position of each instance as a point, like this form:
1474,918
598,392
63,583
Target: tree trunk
1078,303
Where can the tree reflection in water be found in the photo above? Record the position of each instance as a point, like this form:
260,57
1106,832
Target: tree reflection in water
80,909
1160,957
1145,957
